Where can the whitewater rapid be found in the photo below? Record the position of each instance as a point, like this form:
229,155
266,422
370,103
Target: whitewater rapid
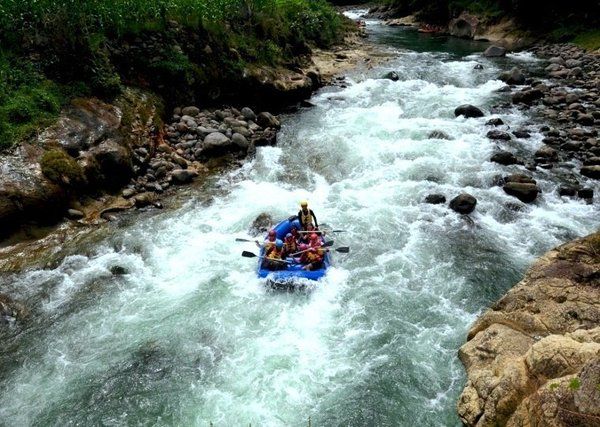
190,336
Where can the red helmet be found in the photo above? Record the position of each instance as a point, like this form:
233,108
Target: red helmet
314,236
303,246
272,233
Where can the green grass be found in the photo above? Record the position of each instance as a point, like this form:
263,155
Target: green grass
589,40
28,100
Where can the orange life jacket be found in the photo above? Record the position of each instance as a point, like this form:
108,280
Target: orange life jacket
290,246
275,253
313,256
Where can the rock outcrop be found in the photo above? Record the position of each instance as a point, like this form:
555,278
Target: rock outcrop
89,149
534,357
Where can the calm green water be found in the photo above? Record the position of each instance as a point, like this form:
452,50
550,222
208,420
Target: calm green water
190,336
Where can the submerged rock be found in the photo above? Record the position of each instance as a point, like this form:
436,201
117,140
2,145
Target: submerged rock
438,134
261,224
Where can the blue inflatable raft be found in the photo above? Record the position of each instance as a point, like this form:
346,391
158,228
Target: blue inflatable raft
293,277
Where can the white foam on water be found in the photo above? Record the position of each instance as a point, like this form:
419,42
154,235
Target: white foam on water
378,335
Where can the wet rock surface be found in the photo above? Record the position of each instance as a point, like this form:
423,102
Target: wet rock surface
532,358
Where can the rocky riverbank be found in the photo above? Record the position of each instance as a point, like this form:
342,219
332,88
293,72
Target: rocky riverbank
100,158
504,32
534,357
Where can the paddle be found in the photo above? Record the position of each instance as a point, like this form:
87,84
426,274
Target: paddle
245,240
247,254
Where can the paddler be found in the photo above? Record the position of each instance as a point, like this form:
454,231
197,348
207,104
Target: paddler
289,244
306,216
314,259
274,257
269,241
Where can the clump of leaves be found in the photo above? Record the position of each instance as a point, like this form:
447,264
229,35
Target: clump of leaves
61,168
554,386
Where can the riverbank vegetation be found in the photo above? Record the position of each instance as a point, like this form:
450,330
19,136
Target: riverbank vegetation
189,50
559,20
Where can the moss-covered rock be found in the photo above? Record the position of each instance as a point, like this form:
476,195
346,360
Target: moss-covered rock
61,168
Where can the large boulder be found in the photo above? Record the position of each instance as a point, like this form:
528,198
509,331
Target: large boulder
533,357
527,96
524,191
513,77
463,204
494,52
465,26
115,163
468,111
25,192
190,111
261,224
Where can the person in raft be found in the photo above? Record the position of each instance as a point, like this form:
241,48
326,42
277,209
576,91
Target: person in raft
314,259
306,216
290,245
269,241
274,257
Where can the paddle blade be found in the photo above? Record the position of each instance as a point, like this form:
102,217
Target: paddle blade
327,244
242,240
247,254
343,249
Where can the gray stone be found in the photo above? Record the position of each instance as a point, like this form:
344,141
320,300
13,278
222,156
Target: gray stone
268,120
498,134
240,140
190,111
513,77
216,140
494,52
183,176
248,114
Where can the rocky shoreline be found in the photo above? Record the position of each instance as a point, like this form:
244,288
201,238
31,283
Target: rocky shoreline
534,357
101,158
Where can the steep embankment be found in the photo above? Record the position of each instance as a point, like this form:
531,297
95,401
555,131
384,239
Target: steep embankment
82,106
534,357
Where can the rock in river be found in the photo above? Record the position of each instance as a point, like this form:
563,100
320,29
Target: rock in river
494,52
468,111
463,204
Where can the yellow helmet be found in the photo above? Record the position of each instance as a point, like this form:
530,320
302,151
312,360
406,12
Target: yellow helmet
303,203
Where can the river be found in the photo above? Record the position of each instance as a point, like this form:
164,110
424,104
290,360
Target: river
189,336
